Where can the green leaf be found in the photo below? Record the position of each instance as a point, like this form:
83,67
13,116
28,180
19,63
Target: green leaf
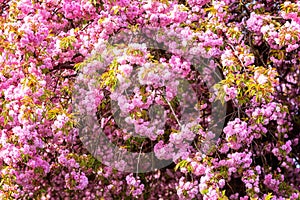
181,164
45,70
203,192
269,196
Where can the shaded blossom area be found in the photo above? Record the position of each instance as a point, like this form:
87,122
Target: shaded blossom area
253,53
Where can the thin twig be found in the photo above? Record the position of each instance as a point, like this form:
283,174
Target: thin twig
173,112
232,48
137,166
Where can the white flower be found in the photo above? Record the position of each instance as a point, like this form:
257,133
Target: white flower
260,78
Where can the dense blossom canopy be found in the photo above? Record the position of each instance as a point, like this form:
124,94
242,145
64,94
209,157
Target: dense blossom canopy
48,45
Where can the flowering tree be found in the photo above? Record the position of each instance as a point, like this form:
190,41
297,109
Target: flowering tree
49,47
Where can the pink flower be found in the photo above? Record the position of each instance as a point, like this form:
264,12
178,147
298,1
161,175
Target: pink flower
126,69
221,183
231,92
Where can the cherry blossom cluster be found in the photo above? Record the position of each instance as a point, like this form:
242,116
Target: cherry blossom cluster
59,58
